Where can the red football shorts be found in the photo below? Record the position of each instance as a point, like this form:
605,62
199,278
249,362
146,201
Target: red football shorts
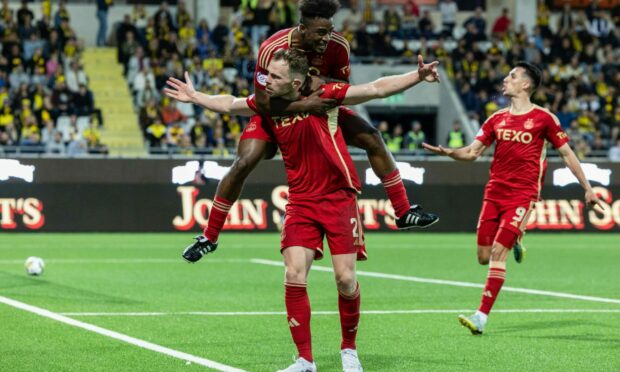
502,222
256,129
335,216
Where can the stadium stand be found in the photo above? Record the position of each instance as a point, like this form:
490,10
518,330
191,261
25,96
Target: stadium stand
577,49
47,104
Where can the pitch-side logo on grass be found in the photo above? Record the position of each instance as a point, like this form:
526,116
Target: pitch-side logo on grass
28,211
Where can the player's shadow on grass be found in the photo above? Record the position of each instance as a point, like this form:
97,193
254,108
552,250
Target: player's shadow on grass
528,327
606,339
382,362
56,291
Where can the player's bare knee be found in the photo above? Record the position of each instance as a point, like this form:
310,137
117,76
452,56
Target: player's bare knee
243,166
372,142
483,259
345,281
295,275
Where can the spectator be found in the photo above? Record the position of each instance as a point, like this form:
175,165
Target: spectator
220,35
614,152
448,10
163,19
93,139
62,14
182,16
77,147
477,19
456,137
85,104
566,20
62,100
102,16
24,12
392,21
415,137
384,129
170,115
156,134
75,76
502,24
395,143
56,145
122,32
425,26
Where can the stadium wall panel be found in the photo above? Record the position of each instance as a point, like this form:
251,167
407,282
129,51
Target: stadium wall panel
73,195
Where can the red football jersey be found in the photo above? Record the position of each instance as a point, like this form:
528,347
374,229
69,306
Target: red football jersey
334,63
315,154
519,163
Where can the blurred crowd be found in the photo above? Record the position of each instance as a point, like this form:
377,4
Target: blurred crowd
577,49
220,59
47,106
579,54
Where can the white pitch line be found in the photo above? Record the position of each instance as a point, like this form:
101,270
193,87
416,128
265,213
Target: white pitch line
453,283
123,261
365,312
119,336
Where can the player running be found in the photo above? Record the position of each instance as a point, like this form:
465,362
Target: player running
323,187
328,54
520,133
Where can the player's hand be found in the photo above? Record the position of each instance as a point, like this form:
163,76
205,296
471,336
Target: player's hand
315,105
439,150
313,84
183,91
428,71
592,201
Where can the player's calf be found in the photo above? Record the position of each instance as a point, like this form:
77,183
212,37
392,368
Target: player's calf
198,249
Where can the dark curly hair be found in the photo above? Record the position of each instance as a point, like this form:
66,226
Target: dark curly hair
318,9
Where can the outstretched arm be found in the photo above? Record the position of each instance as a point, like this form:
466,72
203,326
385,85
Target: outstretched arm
390,85
467,153
314,104
571,161
223,104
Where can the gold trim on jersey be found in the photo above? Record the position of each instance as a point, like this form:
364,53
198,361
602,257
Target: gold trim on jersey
500,111
332,126
543,155
553,116
265,56
526,217
342,41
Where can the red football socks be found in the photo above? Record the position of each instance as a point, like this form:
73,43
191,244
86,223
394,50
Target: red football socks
349,307
396,192
217,217
298,316
495,280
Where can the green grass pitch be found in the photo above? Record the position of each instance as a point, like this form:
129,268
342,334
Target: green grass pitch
143,273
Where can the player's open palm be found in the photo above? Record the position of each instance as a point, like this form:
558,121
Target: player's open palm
428,71
439,150
182,91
